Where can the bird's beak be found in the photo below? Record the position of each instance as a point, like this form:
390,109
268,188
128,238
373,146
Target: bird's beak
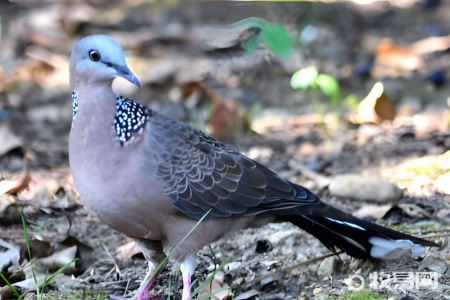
125,72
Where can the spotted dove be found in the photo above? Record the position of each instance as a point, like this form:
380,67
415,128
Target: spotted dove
153,178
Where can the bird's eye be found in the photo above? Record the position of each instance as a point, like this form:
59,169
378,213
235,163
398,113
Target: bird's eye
94,55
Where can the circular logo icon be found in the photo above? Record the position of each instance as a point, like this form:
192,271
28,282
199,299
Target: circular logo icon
355,282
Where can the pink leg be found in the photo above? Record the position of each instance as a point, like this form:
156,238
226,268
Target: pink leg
187,268
186,286
146,284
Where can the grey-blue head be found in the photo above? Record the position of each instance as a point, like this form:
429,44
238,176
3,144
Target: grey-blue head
98,58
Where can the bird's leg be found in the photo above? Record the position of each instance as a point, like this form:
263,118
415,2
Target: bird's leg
153,253
187,268
186,286
147,283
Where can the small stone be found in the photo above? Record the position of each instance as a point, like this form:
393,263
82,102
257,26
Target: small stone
365,189
327,267
317,291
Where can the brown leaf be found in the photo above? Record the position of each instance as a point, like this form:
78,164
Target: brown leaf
223,118
5,292
375,108
12,187
59,259
50,70
394,61
127,250
196,93
38,249
9,255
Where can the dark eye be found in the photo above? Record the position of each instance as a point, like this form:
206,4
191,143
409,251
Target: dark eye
94,55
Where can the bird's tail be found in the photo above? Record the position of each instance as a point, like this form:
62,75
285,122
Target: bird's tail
357,238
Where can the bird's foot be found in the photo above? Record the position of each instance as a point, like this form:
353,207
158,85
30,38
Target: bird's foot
144,289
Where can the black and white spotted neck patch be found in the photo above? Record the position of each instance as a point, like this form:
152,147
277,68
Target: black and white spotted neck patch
130,118
74,104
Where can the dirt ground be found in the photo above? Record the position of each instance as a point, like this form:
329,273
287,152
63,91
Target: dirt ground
190,62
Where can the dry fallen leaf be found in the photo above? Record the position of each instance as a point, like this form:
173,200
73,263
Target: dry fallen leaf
127,250
9,140
50,190
5,292
223,118
375,108
38,249
12,186
9,254
50,70
29,284
394,61
59,259
216,289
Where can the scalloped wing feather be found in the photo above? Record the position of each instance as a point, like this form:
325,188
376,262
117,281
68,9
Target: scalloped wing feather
201,173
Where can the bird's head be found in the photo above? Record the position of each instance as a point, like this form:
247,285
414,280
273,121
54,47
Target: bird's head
99,58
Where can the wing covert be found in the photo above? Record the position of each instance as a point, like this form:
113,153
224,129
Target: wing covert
200,173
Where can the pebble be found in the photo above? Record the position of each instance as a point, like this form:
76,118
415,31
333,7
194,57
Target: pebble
327,267
365,189
317,291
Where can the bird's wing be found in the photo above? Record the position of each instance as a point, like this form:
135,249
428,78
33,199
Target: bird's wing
202,174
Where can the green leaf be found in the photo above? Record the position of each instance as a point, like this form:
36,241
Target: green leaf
277,39
329,85
249,22
304,78
251,44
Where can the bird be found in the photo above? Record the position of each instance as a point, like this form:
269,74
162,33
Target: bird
162,182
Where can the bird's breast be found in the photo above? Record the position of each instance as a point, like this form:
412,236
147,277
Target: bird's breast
109,175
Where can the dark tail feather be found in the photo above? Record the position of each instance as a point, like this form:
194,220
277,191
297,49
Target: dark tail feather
357,238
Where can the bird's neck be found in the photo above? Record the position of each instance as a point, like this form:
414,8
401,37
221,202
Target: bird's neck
101,111
93,104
